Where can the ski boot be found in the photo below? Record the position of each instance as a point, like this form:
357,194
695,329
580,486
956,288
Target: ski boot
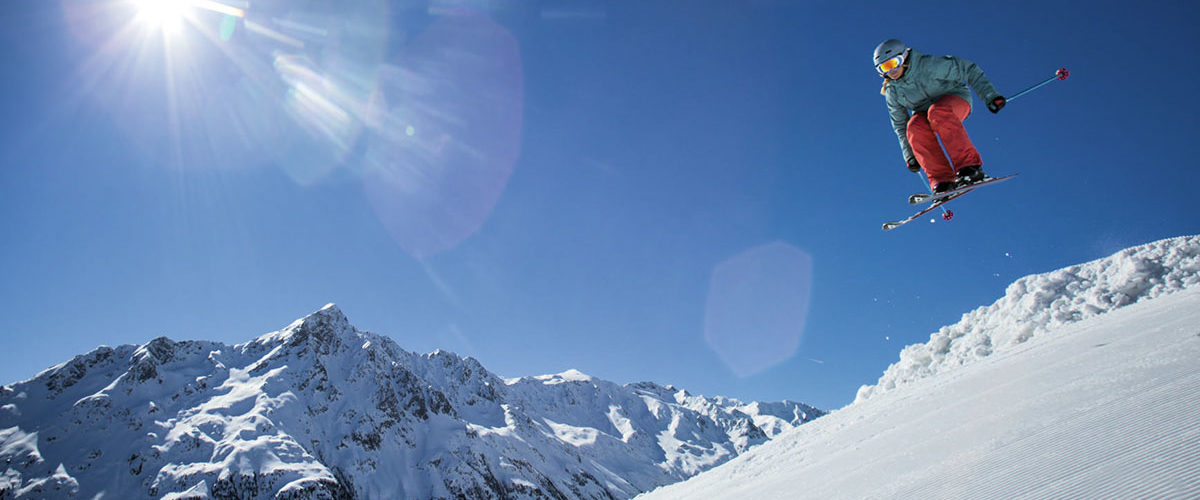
943,187
970,175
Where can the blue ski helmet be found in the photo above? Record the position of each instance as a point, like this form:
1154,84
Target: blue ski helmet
888,49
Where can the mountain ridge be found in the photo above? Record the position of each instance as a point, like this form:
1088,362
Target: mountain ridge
320,409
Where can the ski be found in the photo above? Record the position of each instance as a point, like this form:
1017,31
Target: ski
888,226
920,198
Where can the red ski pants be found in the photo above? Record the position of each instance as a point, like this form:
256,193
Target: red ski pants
943,119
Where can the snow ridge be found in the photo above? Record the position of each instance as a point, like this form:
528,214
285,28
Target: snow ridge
320,409
1041,303
1104,408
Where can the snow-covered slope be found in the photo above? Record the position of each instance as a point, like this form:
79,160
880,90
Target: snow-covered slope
322,410
1055,391
1037,304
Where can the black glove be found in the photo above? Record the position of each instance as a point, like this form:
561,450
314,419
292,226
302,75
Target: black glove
913,165
995,105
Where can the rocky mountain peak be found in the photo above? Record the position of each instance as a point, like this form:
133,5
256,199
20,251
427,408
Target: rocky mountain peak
320,409
323,331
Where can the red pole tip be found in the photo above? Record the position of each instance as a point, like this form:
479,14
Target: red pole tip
1063,73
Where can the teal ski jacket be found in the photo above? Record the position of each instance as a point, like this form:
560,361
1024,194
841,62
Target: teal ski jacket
927,79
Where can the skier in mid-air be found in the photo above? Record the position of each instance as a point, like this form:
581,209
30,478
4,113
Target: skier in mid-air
933,90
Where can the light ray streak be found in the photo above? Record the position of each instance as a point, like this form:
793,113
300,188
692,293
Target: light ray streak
301,27
257,28
219,8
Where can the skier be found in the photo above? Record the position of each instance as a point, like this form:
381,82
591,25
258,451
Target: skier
932,89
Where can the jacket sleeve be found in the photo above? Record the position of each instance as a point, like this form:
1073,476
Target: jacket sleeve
899,115
959,69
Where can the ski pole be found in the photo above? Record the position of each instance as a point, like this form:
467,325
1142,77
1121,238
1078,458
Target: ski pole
1061,74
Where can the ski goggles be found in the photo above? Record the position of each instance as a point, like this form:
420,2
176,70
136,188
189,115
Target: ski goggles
890,64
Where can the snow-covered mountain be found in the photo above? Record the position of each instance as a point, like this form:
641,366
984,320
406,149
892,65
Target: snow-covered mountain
1078,383
320,409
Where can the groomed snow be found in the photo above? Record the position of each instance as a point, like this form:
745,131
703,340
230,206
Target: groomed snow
1103,408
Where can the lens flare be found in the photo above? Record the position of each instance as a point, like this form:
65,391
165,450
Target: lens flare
757,305
170,15
446,132
241,86
167,15
429,122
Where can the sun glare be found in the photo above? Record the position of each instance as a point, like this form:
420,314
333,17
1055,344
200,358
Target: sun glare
166,15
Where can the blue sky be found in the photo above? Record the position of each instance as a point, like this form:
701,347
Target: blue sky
606,186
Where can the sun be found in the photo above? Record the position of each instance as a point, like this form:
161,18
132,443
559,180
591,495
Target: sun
165,15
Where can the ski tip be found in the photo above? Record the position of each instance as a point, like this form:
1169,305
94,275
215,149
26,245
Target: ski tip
888,226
